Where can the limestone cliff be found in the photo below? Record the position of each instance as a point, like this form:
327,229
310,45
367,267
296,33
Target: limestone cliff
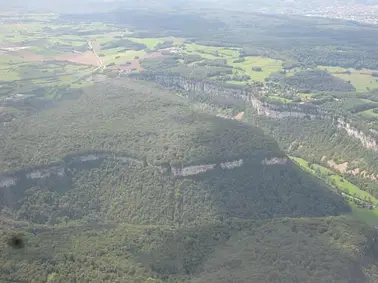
250,94
60,172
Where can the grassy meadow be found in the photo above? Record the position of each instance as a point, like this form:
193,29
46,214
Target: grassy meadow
362,80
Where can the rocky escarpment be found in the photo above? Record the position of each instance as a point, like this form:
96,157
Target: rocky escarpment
366,140
296,111
183,84
250,94
280,111
60,172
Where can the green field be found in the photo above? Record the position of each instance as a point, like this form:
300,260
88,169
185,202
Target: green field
117,56
221,52
361,80
47,41
74,42
28,76
305,96
8,74
366,215
370,216
335,180
50,41
149,42
279,99
369,113
267,65
104,38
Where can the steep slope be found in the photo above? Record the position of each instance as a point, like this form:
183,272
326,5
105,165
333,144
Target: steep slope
324,134
141,144
301,250
127,184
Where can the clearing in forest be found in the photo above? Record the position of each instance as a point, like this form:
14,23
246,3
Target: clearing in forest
362,80
126,63
259,68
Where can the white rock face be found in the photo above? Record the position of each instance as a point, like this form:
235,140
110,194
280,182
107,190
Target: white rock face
365,140
275,113
7,182
198,169
232,164
94,157
263,108
192,170
45,173
270,111
274,161
89,157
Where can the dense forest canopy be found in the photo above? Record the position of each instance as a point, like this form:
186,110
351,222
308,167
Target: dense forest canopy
220,204
188,141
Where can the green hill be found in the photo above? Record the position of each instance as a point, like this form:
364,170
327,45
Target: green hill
127,183
157,134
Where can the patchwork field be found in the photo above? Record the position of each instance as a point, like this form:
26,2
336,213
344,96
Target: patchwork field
256,68
40,51
84,50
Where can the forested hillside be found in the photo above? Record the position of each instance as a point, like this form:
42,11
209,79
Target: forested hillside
172,141
159,134
109,218
160,128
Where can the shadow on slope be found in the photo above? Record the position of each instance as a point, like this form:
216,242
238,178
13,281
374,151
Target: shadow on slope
332,249
257,189
197,215
159,128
